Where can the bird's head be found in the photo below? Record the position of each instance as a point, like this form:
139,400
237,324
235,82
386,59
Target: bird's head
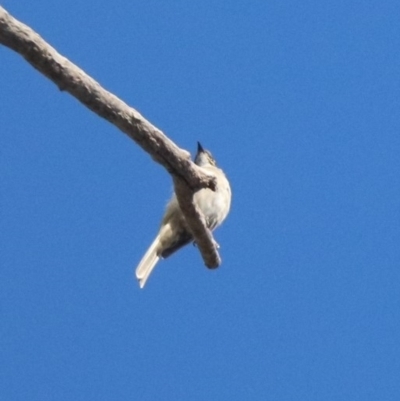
203,157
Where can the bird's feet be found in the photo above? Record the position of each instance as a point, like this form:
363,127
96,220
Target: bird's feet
215,244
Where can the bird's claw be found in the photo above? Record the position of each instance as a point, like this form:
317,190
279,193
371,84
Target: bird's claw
215,244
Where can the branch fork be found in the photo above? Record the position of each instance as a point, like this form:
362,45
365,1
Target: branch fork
187,177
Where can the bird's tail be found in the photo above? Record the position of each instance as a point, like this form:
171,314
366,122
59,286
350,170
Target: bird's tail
148,263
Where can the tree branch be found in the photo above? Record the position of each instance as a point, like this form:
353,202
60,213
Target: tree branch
187,177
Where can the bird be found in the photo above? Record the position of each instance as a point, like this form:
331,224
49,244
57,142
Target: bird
174,232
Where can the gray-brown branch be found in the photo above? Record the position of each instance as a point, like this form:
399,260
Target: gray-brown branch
187,177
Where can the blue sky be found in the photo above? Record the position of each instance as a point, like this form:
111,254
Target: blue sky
299,103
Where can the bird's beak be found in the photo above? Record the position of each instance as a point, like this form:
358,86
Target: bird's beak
199,148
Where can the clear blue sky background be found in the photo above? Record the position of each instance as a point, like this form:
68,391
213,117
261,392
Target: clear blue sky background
299,102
